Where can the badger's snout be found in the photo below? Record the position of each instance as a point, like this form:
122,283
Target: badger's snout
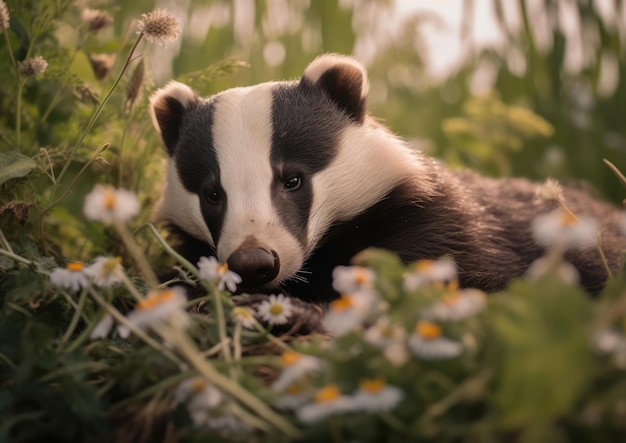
255,265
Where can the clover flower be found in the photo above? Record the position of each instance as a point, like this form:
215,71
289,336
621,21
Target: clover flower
96,19
4,15
350,279
428,344
211,270
72,277
158,306
106,271
159,27
243,315
561,228
295,366
347,313
276,310
427,272
102,328
32,66
107,204
374,395
456,305
327,401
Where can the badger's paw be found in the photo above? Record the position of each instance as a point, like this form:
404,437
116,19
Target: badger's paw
303,317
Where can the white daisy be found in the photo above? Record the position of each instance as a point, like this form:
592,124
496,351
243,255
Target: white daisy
561,228
102,328
295,366
276,310
211,270
374,395
327,401
294,397
72,277
565,271
158,306
107,204
347,313
243,315
200,397
106,271
351,279
426,272
456,305
383,333
428,344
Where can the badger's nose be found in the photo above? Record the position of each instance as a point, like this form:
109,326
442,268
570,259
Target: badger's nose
255,266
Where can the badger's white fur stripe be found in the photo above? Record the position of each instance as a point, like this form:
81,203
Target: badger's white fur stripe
242,136
358,178
176,200
323,63
176,90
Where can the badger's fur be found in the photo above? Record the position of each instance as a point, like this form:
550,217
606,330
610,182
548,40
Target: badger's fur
286,180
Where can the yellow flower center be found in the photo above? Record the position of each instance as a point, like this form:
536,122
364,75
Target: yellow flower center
288,358
428,330
111,265
294,389
222,269
276,309
241,312
360,276
154,299
568,219
343,303
327,394
424,265
109,199
75,266
451,298
372,386
198,385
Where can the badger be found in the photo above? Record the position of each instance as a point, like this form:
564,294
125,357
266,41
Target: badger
284,181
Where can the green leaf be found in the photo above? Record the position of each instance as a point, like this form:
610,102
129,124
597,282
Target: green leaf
15,165
541,356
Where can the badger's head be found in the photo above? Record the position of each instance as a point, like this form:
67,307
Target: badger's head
262,173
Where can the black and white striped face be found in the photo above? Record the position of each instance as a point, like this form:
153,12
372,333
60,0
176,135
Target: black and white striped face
261,173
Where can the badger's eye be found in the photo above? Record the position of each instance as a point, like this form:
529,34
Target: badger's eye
293,183
213,196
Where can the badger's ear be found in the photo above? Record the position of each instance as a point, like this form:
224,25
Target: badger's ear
167,108
345,81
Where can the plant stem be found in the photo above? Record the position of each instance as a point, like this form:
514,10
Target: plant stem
77,313
91,123
137,254
188,349
134,329
15,257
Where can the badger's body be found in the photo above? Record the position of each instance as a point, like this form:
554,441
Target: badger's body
286,180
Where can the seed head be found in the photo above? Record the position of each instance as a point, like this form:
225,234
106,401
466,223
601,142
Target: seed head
32,66
4,15
159,26
96,19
